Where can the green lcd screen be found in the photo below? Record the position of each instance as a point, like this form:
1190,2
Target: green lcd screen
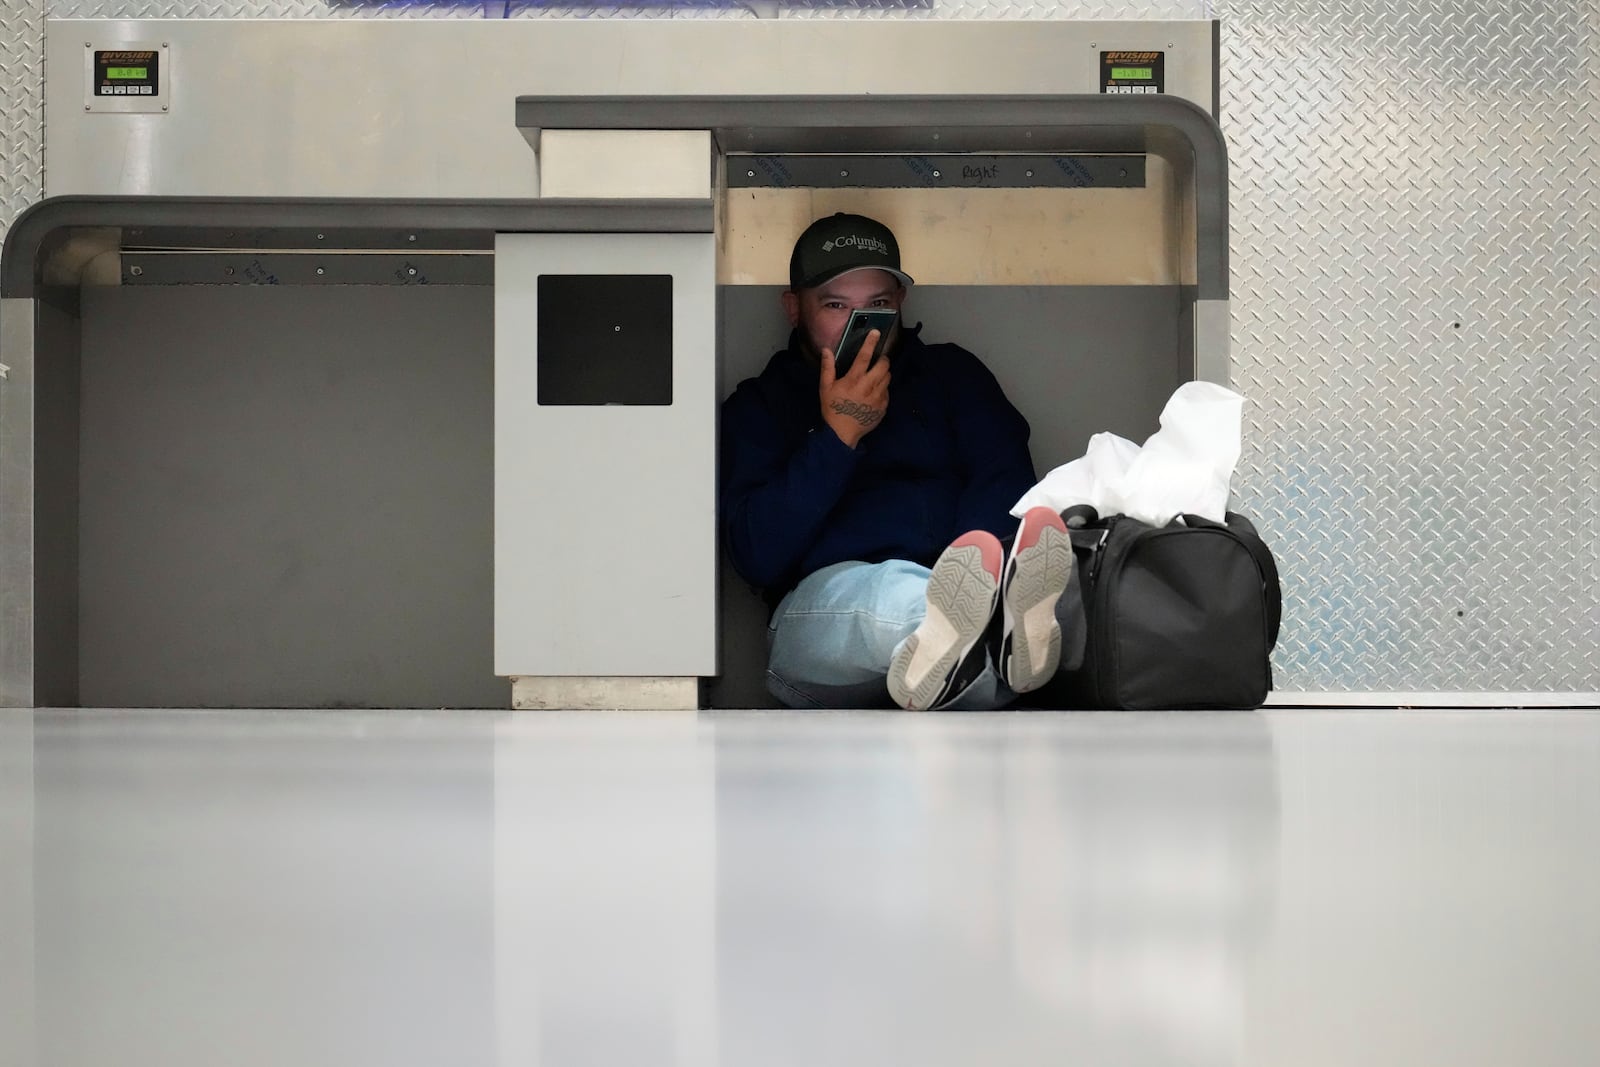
1131,73
135,73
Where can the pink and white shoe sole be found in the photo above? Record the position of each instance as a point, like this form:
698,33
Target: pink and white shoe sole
1037,574
962,591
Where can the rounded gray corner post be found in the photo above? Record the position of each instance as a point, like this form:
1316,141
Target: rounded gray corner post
25,242
17,328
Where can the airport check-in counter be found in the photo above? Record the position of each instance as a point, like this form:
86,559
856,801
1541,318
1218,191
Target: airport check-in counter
318,451
262,473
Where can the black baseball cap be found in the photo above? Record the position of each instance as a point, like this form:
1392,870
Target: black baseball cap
842,243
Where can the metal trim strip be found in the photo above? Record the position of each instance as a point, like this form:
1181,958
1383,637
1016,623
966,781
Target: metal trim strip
1433,700
31,235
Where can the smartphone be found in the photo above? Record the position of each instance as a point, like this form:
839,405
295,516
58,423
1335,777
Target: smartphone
862,322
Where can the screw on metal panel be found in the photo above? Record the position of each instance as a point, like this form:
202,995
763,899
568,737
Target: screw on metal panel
86,107
136,271
228,271
319,236
319,270
844,174
164,107
936,174
411,270
1122,174
749,174
616,329
1030,173
88,44
411,237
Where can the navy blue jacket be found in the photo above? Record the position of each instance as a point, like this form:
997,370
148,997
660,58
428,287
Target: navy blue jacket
951,455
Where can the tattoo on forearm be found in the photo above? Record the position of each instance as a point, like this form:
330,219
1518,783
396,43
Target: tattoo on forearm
860,412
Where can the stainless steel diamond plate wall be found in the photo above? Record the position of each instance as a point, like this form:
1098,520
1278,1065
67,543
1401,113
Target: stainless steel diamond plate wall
1415,309
21,107
1415,319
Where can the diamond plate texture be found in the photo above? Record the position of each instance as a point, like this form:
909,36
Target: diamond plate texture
21,107
1413,281
1414,308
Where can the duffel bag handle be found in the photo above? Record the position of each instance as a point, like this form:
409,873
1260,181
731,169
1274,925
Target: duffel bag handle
1079,516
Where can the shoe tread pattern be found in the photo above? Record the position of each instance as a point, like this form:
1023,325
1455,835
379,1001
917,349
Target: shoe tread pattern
963,591
1039,573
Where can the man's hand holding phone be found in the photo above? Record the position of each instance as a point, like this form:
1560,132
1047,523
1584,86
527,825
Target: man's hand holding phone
856,397
862,322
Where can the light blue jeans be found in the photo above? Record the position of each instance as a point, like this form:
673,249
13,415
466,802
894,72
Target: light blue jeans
831,640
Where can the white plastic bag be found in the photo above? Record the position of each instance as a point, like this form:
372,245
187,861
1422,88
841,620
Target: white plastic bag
1185,466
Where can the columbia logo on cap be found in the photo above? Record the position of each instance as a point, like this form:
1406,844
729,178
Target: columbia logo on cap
865,244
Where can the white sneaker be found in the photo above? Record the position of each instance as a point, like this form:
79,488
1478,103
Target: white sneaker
944,653
1038,572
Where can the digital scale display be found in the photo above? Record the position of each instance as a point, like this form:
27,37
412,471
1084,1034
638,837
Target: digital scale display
1133,72
127,73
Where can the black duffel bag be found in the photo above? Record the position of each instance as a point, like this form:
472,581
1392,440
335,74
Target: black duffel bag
1177,616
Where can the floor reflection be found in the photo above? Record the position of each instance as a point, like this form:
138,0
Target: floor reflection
188,889
992,888
263,889
17,1032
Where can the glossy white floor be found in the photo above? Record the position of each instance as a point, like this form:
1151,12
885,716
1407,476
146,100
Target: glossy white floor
1290,888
